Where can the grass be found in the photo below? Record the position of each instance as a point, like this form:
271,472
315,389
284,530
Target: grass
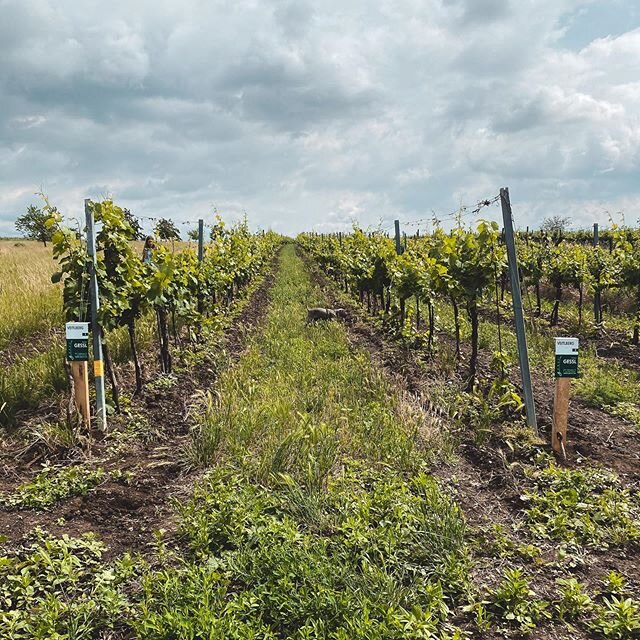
29,381
28,300
301,399
318,520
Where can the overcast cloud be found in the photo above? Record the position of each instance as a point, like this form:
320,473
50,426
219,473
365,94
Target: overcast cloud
313,114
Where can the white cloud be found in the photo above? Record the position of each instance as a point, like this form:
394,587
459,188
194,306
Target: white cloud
315,115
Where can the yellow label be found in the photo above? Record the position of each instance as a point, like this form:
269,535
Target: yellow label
98,368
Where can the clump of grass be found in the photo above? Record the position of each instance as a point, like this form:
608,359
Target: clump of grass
25,384
586,506
52,485
303,389
606,384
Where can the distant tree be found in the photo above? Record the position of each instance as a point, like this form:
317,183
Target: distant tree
556,224
193,234
138,233
33,225
167,230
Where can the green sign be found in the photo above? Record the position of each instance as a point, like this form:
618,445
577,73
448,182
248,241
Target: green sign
78,349
566,366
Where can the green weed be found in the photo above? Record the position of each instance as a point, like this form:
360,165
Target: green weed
380,555
52,485
60,588
515,604
617,618
573,601
587,506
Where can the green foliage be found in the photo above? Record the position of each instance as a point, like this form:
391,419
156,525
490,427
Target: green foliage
173,284
515,604
587,506
33,225
134,223
377,555
54,589
573,601
617,618
167,230
614,584
52,484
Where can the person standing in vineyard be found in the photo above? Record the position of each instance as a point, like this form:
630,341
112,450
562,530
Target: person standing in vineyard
147,252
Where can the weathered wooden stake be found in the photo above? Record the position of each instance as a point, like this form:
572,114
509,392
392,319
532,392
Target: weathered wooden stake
560,416
80,374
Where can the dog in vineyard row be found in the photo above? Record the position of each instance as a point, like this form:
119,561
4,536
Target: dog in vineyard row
318,313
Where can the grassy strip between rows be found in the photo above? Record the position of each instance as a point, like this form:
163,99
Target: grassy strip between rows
318,519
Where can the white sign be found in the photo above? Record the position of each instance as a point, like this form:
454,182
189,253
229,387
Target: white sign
566,346
77,330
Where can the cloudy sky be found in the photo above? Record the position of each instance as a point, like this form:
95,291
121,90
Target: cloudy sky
313,114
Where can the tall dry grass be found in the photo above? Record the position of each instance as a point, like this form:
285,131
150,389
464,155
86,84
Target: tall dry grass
29,302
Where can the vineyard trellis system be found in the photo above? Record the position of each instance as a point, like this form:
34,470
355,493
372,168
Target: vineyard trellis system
178,287
465,265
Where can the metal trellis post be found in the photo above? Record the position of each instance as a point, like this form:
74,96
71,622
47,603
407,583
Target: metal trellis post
523,354
96,331
396,224
200,240
596,297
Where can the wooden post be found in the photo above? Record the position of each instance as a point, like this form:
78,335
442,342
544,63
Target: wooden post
560,416
80,374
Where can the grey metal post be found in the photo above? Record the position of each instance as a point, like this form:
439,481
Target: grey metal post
200,259
200,240
396,224
596,297
96,331
523,354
